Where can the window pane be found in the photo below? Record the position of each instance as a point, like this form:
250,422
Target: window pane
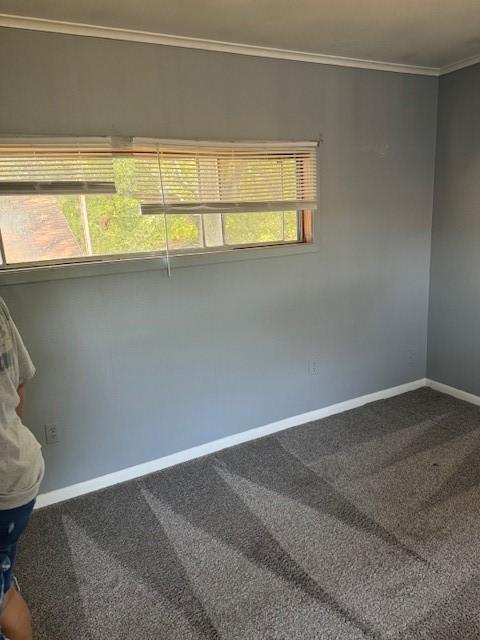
256,228
291,226
39,227
259,178
115,222
117,226
184,232
36,228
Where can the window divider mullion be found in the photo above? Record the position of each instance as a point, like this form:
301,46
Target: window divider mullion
85,225
2,250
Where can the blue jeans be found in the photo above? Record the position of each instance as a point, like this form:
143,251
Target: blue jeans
13,523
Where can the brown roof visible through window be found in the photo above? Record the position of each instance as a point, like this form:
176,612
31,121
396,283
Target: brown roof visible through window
34,228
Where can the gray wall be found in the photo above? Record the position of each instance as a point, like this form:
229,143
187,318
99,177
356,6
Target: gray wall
135,366
453,346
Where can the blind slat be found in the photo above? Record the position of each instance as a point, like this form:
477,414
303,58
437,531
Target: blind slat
64,166
225,179
228,207
55,188
181,177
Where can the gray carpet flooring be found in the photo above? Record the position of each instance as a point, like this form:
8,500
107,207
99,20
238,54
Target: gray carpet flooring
362,525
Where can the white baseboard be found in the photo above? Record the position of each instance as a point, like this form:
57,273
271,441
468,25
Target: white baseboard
59,495
452,391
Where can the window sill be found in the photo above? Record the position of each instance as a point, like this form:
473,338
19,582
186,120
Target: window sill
24,275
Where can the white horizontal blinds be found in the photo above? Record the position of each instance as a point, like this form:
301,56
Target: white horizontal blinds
56,167
173,179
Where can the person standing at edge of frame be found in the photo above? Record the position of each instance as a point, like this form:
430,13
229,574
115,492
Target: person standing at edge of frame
21,472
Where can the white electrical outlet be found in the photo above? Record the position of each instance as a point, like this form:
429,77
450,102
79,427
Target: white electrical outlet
52,433
313,367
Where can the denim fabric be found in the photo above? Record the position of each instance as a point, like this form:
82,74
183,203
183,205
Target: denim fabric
13,523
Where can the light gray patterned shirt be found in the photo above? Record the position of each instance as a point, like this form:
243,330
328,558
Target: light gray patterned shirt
21,461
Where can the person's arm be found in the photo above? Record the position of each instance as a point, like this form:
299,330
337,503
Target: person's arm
21,395
26,370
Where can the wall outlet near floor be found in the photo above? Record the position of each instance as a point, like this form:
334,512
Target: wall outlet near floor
52,433
313,367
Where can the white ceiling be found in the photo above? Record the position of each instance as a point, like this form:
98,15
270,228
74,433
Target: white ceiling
432,33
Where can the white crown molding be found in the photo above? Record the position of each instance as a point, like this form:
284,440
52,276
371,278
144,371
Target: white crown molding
115,33
461,64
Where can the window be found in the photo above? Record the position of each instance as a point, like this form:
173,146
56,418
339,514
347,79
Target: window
79,200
